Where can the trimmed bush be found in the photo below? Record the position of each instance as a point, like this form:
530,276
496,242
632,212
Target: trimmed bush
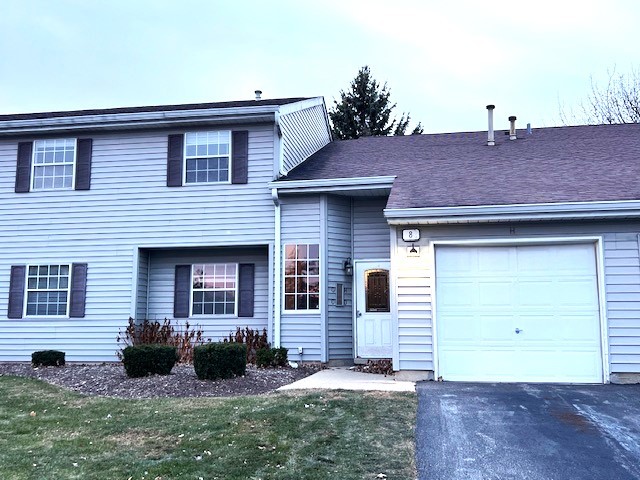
271,357
265,357
148,332
143,360
280,357
253,339
47,358
220,360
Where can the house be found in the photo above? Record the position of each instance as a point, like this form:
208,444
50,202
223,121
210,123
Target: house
147,212
463,256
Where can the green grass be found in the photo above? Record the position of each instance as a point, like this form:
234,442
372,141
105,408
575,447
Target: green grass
322,435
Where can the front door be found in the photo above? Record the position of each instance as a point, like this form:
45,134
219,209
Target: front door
373,310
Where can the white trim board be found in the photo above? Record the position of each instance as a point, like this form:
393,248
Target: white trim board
515,212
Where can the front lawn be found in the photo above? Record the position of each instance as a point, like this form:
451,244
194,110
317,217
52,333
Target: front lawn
49,433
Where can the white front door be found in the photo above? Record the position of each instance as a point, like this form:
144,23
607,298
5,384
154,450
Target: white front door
518,313
373,310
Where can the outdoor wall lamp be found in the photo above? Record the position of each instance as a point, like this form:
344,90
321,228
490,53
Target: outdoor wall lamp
348,266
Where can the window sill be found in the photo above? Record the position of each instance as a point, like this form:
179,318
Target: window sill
191,184
33,190
301,312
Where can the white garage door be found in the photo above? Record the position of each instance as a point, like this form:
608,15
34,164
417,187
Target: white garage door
518,314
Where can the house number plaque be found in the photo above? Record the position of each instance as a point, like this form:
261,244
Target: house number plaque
411,235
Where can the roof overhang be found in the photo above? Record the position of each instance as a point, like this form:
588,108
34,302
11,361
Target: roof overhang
355,185
139,120
515,213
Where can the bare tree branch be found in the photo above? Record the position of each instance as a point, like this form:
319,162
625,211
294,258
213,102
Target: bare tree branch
617,102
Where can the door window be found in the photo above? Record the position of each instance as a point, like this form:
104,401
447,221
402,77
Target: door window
376,284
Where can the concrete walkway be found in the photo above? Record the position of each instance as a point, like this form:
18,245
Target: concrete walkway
342,378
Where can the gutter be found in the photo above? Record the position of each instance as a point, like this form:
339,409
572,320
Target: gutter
130,121
515,212
276,271
332,184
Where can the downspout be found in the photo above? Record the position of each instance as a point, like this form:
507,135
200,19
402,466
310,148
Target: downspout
276,270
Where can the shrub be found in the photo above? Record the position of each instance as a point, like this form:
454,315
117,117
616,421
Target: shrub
280,357
253,339
47,358
220,360
271,357
184,338
143,360
265,357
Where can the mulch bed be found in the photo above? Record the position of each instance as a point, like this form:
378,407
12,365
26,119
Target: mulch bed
110,380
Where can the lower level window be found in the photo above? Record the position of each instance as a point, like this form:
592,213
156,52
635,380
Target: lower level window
302,277
47,290
214,289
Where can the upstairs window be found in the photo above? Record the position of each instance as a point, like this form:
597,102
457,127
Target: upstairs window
206,157
53,164
47,290
302,277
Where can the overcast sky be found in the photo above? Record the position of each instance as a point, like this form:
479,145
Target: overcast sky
443,60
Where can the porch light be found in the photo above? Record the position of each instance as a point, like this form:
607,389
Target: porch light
348,267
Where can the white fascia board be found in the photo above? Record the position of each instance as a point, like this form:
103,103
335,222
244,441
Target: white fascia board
141,118
332,184
516,212
301,105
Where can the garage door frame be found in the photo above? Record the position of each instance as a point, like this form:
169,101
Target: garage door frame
598,243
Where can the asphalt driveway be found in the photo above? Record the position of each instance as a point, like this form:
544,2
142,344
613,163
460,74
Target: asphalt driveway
522,431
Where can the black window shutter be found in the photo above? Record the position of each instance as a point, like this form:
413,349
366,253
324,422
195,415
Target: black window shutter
240,157
16,291
83,163
182,291
78,290
174,160
23,167
246,283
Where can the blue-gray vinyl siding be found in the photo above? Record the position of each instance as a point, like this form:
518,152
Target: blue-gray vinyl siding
128,206
300,223
215,327
339,318
142,284
305,131
370,229
621,244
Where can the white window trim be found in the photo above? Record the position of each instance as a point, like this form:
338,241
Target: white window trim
213,315
33,166
320,293
26,291
184,159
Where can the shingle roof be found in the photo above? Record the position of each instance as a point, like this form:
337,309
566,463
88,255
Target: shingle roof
558,164
151,108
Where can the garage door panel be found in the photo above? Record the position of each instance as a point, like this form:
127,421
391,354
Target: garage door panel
494,293
535,292
563,365
579,259
576,292
494,260
495,328
547,293
455,293
462,365
455,262
534,261
456,328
